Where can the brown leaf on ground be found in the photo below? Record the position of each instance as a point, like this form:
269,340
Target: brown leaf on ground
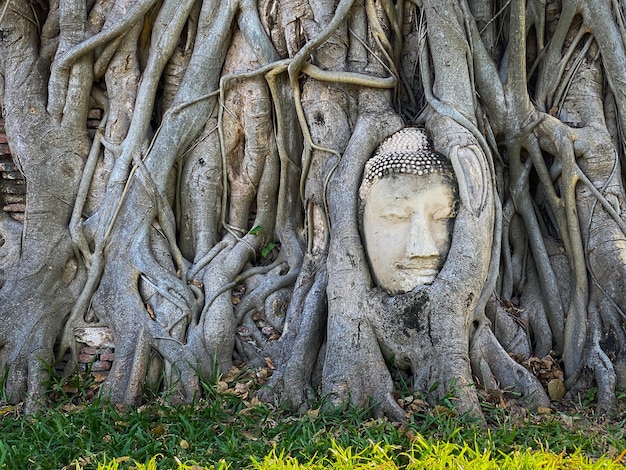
545,369
221,386
556,389
269,363
249,435
158,431
242,390
231,375
261,376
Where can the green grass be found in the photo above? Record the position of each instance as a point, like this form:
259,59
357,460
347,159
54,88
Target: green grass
224,430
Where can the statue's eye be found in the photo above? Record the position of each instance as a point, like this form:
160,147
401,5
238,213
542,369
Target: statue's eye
444,213
394,213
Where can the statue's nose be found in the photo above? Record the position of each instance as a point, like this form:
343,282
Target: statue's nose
421,243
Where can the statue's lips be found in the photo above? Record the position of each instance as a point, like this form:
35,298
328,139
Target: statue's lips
429,270
418,270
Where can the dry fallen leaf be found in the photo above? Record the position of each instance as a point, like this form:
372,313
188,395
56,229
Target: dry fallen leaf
269,363
545,369
69,388
249,435
158,430
444,410
242,390
255,401
150,312
6,409
71,407
221,386
231,375
556,389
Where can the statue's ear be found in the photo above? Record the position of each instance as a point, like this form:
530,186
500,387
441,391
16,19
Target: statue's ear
472,176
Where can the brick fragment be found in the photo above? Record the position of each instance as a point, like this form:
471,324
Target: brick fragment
8,165
14,199
15,208
13,189
95,114
13,175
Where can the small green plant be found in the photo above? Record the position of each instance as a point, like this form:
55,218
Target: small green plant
590,396
267,249
256,230
3,382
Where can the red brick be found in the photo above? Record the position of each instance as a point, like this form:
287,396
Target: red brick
3,138
107,357
5,149
89,350
85,358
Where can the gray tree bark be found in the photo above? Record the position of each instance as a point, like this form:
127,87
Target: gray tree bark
213,217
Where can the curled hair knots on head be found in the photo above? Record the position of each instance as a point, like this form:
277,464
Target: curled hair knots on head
408,151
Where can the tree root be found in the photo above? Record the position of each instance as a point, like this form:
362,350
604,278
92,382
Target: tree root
296,352
495,369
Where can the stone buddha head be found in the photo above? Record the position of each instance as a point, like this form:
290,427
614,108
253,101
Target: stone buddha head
409,200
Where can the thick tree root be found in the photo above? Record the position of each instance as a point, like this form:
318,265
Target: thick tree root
496,369
297,351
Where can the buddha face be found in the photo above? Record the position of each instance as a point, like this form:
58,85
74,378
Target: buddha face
407,229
